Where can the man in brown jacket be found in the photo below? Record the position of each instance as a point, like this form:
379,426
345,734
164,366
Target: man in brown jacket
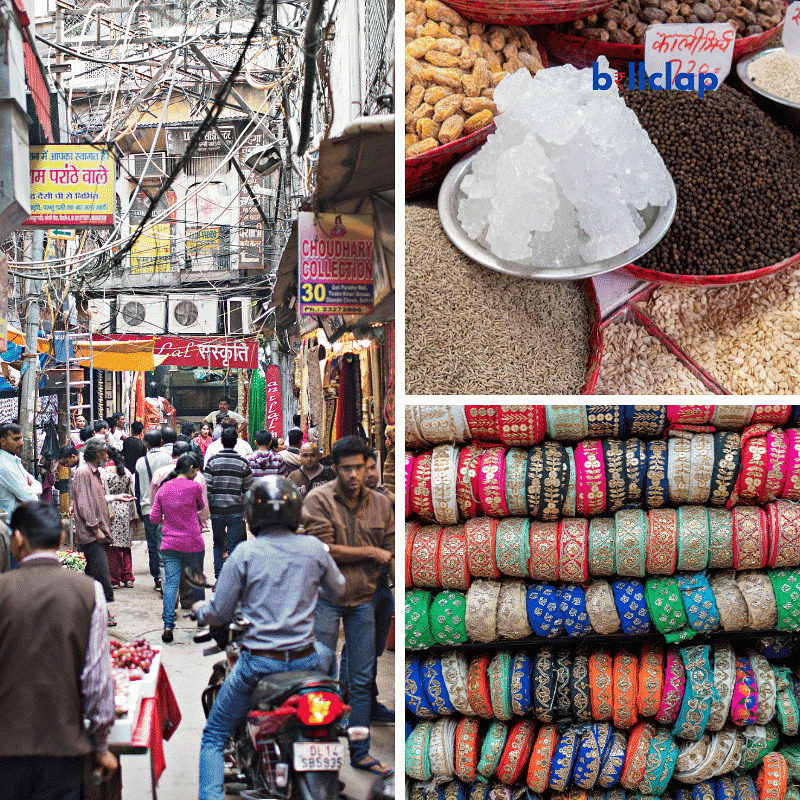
357,524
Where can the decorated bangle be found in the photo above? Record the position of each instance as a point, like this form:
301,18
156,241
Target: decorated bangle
691,755
573,546
661,758
601,608
448,618
605,422
425,556
416,698
632,533
580,700
468,462
730,601
418,744
539,767
762,610
444,472
701,468
467,741
602,546
663,596
785,545
724,682
647,421
409,470
616,474
759,740
421,495
453,569
765,687
492,748
732,417
544,685
435,688
601,685
569,508
414,438
689,415
625,672
631,606
750,542
650,680
693,537
657,483
745,788
562,667
443,748
516,752
567,423
572,604
564,759
771,779
418,622
774,414
744,705
590,478
516,470
753,472
720,538
718,753
520,686
636,755
555,482
478,692
481,536
481,614
442,424
493,482
674,687
727,463
544,610
513,546
785,702
730,763
662,543
483,423
512,611
543,565
411,532
777,445
454,674
611,768
587,762
699,693
500,685
786,586
521,426
791,481
698,600
636,467
679,468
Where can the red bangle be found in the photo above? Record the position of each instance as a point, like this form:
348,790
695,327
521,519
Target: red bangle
543,564
425,557
467,502
771,780
539,766
453,570
625,684
521,426
421,495
636,755
573,550
590,476
750,540
689,415
515,754
662,546
777,445
791,482
784,534
484,423
478,692
411,532
754,464
777,415
492,485
481,535
467,749
409,470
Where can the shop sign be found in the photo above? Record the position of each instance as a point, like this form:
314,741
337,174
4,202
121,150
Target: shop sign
273,420
791,30
72,186
65,234
335,263
152,251
3,302
212,352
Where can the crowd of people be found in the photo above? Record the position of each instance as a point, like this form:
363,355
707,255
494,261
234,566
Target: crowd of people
177,486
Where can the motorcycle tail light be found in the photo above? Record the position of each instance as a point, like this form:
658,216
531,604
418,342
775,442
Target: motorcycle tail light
261,724
319,708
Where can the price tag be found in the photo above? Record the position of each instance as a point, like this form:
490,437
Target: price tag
692,57
791,30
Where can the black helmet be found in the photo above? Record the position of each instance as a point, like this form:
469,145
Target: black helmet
272,500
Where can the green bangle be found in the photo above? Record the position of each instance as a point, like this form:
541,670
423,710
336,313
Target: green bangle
570,498
500,685
448,618
418,748
632,535
664,603
602,546
693,537
786,585
720,538
418,622
512,548
661,759
492,748
786,705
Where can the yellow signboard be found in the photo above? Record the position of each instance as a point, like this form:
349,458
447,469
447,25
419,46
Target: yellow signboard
72,186
151,251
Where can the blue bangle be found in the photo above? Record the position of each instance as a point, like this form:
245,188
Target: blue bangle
606,422
698,600
572,605
564,759
636,466
703,791
544,684
613,762
580,697
563,670
615,794
416,699
521,672
647,421
587,762
433,681
683,794
745,788
656,483
725,788
698,695
455,790
544,610
479,790
631,606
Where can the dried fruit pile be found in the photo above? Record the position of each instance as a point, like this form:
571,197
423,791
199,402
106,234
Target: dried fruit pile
132,656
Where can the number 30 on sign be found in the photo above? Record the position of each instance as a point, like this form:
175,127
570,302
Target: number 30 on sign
313,292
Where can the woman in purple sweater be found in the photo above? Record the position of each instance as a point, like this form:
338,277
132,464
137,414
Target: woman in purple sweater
179,508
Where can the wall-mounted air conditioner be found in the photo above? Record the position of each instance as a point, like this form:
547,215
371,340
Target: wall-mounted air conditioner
238,316
99,312
140,313
156,169
193,313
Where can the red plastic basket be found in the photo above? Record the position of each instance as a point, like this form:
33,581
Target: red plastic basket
595,336
526,12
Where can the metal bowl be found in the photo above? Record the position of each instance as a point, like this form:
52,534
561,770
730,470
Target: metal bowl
780,109
656,219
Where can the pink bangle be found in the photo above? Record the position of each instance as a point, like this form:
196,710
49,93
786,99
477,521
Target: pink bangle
409,470
791,482
784,534
421,494
492,486
674,685
468,461
484,423
777,415
754,465
750,540
590,474
573,550
777,444
543,564
521,426
481,534
689,415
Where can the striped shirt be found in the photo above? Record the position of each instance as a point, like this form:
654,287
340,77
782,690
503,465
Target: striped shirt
228,477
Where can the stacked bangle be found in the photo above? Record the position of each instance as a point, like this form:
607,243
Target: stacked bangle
701,468
467,740
563,670
409,470
453,568
493,482
425,556
636,755
416,699
418,745
631,606
435,688
776,415
520,687
679,468
539,766
791,482
570,500
730,601
631,542
786,587
478,692
512,611
771,780
564,757
516,752
500,685
556,480
754,463
421,497
572,605
483,423
750,541
693,538
616,475
543,564
662,544
444,474
698,600
448,618
674,687
601,685
785,702
611,768
720,538
443,748
657,483
516,470
661,758
777,446
534,480
481,536
646,420
606,421
411,532
573,546
690,415
732,417
468,463
513,546
666,609
601,608
785,527
636,468
590,486
744,705
587,763
757,590
765,687
418,624
521,426
441,424
543,685
454,674
580,699
481,614
625,671
650,680
699,693
724,682
727,462
566,423
602,546
544,610
492,748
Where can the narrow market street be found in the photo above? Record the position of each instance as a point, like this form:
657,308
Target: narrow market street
138,613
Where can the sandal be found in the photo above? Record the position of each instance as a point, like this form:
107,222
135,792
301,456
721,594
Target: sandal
112,622
129,585
372,765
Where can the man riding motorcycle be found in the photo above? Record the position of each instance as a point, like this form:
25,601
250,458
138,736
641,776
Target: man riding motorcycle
276,578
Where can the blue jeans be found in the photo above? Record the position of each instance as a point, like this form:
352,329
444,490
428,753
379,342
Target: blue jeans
153,536
228,531
359,637
174,561
229,709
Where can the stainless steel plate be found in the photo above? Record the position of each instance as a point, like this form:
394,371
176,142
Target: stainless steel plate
656,219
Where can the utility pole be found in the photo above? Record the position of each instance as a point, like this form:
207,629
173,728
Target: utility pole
30,361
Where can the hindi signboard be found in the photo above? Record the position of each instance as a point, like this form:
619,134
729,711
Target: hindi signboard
273,420
335,263
212,352
680,53
72,186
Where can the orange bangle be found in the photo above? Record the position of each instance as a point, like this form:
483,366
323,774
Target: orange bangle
771,780
651,680
636,755
601,683
625,675
478,693
539,767
467,749
516,752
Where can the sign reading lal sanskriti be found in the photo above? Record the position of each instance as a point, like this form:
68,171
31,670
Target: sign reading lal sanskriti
335,263
72,186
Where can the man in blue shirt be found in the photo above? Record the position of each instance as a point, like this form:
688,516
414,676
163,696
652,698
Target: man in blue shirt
16,485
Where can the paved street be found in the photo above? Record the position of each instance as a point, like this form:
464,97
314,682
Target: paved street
138,612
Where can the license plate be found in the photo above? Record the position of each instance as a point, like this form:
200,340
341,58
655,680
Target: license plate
318,756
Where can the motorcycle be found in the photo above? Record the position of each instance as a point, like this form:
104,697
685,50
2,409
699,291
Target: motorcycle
288,747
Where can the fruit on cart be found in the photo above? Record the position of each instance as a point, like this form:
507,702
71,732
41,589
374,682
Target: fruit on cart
136,656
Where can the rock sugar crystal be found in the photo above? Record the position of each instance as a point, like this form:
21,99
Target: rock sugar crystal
563,179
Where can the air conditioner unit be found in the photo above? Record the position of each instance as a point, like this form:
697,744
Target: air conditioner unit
142,314
193,313
99,315
238,316
156,169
